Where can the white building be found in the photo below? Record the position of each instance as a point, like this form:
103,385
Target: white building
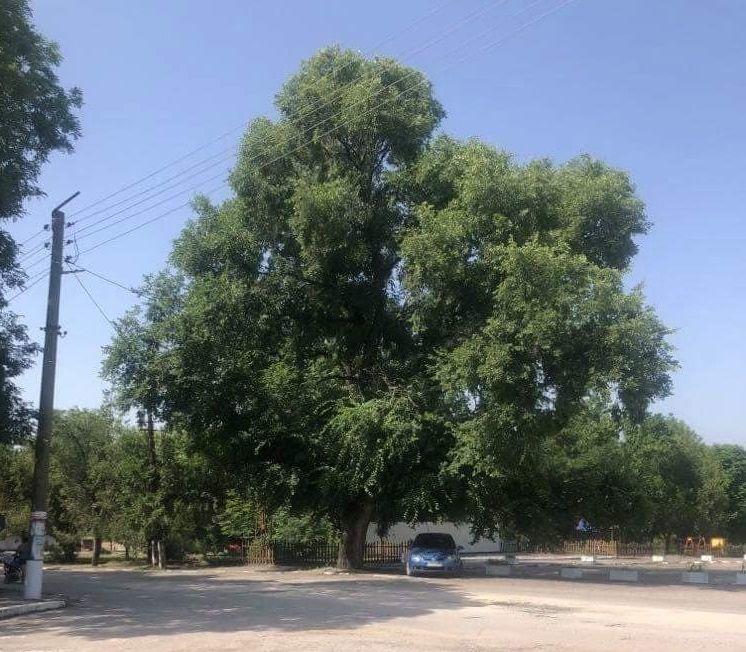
461,533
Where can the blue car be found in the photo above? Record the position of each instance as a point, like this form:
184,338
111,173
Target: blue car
433,552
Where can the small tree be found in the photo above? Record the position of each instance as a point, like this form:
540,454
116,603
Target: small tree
82,476
133,364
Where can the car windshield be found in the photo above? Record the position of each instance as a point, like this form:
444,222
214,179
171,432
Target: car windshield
434,540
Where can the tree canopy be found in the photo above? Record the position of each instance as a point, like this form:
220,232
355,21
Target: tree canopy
37,115
386,324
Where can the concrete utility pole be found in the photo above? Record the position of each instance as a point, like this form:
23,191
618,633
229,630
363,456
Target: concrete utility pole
40,489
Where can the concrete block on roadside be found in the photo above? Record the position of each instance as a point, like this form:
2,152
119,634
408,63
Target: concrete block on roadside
659,558
571,573
498,570
741,579
30,607
706,557
695,577
623,575
587,559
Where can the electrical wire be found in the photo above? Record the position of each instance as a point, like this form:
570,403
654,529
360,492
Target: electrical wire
490,45
36,263
38,278
108,280
159,170
222,159
32,237
307,111
86,232
313,127
95,303
33,252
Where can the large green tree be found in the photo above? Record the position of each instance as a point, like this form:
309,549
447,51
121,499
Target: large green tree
379,325
37,117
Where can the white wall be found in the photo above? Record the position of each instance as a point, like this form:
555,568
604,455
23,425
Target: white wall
461,533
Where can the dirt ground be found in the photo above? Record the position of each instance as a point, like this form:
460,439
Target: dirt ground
240,608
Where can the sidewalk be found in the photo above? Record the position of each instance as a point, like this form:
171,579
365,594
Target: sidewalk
13,604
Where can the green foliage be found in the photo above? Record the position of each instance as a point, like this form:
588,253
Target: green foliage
245,518
513,273
732,460
131,360
16,351
292,360
16,469
36,118
82,499
384,325
36,114
680,476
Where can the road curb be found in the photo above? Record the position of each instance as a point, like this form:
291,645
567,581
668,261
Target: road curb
30,607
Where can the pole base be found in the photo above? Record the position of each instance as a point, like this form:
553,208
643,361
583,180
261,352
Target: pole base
32,585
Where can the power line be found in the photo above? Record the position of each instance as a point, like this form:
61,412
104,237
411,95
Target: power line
309,110
159,170
147,222
154,187
38,279
32,252
422,81
41,259
86,233
95,303
33,236
109,280
310,129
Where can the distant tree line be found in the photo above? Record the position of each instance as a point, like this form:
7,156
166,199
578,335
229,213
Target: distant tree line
655,481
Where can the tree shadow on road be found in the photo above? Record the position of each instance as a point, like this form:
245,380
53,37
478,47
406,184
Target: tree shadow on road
131,604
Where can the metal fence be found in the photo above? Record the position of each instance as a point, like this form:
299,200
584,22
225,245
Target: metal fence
321,554
383,552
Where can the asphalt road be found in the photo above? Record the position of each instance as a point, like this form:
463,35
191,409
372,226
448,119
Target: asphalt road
239,608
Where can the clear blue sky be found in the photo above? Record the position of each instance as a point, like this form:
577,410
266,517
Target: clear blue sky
656,88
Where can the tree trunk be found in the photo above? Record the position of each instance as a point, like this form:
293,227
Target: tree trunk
352,543
153,487
96,551
126,553
161,555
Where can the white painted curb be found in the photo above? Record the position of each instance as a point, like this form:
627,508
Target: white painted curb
587,559
620,575
659,558
696,577
30,607
571,573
